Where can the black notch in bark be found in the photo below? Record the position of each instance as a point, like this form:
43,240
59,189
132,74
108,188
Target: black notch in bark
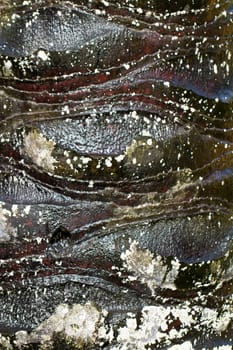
60,233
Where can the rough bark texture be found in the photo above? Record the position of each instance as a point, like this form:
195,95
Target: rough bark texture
116,174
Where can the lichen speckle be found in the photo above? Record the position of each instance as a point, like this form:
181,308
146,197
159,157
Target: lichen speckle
42,55
7,232
82,326
7,69
116,174
5,343
149,269
163,325
79,325
39,150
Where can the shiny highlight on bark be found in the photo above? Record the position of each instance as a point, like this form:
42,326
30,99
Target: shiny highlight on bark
116,172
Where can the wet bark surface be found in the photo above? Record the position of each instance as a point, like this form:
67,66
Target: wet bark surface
116,174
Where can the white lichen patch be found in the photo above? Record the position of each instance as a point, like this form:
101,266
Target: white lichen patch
39,150
85,326
156,325
163,325
77,324
41,54
223,347
7,232
7,68
65,110
187,345
5,343
149,269
120,158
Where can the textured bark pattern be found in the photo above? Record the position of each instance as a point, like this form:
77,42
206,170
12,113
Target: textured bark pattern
116,167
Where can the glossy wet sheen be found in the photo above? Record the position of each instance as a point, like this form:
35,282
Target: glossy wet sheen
116,127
